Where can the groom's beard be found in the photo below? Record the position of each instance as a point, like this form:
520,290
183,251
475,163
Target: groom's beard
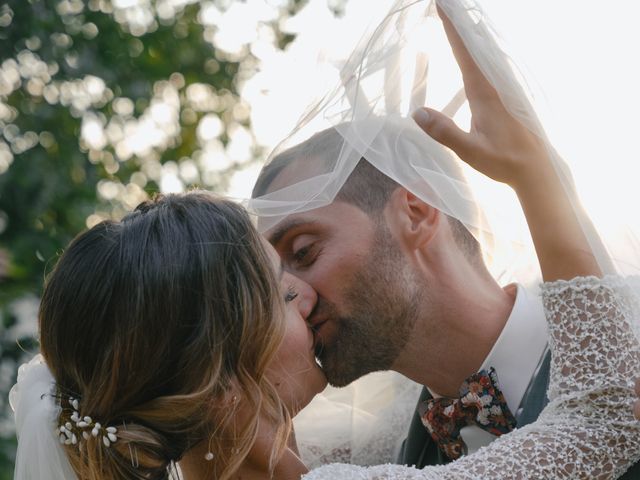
380,313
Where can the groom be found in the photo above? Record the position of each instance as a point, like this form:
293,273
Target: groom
402,286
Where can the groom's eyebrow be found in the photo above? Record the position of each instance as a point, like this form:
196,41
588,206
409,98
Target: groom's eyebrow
285,226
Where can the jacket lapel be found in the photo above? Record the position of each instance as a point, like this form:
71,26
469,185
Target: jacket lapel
419,449
535,397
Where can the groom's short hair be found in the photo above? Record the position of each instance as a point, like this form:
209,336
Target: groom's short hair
366,187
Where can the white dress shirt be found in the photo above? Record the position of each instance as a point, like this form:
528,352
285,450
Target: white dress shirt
515,357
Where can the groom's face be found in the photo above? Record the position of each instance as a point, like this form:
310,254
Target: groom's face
366,297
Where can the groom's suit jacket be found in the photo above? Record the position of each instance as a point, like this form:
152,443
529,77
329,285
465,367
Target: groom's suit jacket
420,450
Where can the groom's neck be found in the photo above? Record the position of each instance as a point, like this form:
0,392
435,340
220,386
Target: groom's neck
455,334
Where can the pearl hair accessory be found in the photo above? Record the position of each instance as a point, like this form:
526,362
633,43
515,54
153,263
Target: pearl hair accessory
85,426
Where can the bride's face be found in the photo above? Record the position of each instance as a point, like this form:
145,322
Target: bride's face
294,371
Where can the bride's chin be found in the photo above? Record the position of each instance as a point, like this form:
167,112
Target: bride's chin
316,384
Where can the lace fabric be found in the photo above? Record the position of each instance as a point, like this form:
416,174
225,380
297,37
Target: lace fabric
588,429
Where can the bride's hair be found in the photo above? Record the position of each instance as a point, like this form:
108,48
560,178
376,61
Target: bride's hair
161,325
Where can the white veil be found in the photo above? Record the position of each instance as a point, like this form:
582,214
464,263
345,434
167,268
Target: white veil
40,454
403,63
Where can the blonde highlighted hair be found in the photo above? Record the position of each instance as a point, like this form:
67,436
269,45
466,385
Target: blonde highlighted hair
161,325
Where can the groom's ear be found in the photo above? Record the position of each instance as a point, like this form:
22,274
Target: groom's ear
413,222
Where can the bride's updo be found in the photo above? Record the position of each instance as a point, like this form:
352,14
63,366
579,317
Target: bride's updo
160,325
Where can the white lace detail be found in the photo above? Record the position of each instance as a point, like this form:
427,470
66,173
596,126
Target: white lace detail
587,430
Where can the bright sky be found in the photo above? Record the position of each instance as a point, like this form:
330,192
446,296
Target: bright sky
584,56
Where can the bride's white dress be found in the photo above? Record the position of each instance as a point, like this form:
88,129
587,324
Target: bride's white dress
587,431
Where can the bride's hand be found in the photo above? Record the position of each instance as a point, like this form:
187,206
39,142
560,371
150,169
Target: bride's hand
497,144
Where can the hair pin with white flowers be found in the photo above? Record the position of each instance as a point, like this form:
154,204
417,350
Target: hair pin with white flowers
86,427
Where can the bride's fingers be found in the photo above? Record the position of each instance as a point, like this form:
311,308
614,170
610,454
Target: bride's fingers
475,83
445,131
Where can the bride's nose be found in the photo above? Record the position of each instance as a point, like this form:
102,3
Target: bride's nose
307,298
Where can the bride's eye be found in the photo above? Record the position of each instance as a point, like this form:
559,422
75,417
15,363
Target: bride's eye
290,295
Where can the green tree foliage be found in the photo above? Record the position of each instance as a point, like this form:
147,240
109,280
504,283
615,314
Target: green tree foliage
102,103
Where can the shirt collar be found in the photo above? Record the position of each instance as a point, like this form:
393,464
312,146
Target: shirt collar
518,350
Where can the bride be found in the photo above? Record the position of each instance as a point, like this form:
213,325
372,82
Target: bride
175,337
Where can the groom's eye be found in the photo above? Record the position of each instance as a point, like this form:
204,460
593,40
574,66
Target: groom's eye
303,250
303,256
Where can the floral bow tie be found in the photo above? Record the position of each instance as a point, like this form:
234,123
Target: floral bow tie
481,403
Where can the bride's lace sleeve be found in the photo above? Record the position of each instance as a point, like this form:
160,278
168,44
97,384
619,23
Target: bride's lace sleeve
587,430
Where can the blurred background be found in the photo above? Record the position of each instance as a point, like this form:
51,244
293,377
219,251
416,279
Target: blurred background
105,102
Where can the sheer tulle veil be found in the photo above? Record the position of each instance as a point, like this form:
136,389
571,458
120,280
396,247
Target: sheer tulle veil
401,64
40,454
